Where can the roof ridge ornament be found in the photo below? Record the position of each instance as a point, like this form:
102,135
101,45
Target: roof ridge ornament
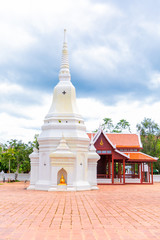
92,147
64,74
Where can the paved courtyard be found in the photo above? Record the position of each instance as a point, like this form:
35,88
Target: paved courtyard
113,212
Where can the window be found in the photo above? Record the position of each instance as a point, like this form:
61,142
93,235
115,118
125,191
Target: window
109,151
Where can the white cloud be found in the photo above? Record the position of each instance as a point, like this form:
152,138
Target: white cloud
8,88
21,121
26,23
23,128
151,27
48,15
23,23
133,111
14,36
98,59
92,110
155,80
96,56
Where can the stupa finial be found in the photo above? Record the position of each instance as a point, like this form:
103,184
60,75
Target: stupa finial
64,74
65,38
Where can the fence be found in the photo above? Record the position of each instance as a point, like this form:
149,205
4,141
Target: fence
11,176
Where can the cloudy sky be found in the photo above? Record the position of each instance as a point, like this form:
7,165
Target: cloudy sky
114,52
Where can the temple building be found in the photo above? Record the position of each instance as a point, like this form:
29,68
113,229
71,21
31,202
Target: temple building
121,160
71,159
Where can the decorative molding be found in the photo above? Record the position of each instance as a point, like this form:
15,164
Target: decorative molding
63,126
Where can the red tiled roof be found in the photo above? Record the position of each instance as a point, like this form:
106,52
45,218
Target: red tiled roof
124,140
121,140
139,156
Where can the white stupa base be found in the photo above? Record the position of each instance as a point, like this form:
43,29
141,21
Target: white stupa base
42,185
82,185
62,187
79,186
31,187
95,188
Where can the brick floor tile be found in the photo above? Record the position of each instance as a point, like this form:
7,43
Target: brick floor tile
113,212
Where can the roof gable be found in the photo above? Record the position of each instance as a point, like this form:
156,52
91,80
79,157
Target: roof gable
101,142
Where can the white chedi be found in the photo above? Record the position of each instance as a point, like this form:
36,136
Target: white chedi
64,146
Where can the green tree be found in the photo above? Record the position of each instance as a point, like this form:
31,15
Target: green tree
35,141
150,137
108,125
17,154
148,127
7,157
122,125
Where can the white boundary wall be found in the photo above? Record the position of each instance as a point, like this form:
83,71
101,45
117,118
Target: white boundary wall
11,176
156,178
26,176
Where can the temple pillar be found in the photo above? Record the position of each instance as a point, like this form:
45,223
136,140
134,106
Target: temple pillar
109,168
141,173
120,169
123,171
149,172
152,171
112,170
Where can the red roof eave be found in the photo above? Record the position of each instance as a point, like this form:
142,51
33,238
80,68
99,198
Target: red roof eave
122,146
140,157
141,160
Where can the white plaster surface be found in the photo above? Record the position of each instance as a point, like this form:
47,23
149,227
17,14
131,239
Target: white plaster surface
63,142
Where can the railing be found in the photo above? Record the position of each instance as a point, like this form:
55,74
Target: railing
117,176
131,175
102,176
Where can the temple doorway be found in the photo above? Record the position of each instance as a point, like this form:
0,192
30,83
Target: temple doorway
104,166
118,172
109,172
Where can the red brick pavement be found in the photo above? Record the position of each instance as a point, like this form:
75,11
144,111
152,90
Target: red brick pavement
122,212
